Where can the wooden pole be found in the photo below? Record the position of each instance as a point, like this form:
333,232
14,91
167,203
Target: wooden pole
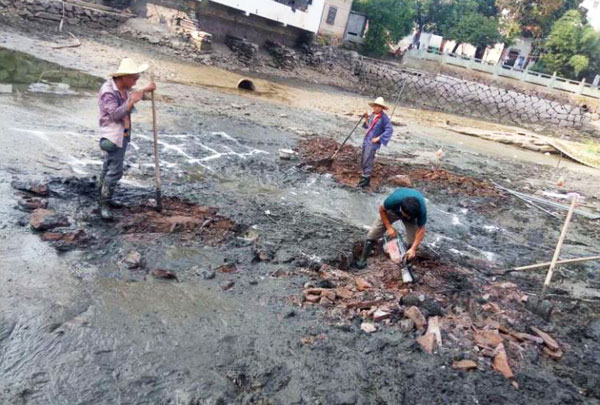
156,162
561,239
566,261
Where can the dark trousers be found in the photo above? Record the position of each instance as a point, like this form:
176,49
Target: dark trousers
112,168
369,151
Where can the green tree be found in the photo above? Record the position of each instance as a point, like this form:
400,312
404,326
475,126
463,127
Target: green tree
389,21
475,29
439,16
534,17
572,49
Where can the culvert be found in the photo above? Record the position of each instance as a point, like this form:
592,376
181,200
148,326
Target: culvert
246,84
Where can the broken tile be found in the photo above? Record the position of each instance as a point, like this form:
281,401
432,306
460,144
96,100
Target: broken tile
548,340
528,337
555,354
433,328
501,362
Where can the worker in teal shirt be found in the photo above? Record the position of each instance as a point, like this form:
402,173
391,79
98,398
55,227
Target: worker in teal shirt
406,204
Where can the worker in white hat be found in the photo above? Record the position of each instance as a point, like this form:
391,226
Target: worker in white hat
379,131
116,101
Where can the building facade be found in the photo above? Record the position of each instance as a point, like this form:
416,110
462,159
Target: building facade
593,12
334,19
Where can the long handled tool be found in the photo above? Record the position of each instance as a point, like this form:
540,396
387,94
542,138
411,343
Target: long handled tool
332,157
156,165
329,160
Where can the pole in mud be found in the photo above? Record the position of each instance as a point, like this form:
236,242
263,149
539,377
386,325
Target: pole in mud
561,239
156,165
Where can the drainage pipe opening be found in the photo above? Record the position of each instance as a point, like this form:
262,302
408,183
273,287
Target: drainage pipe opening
246,84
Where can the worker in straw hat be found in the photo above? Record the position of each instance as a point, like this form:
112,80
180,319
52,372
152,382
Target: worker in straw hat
116,101
379,131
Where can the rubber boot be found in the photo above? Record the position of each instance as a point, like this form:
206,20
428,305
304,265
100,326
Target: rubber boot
364,182
105,197
362,262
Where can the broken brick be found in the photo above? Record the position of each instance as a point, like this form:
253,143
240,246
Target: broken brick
491,307
368,327
464,365
325,301
51,236
312,298
164,274
501,362
548,340
416,316
362,284
42,219
400,180
487,338
343,293
328,294
227,268
363,304
406,325
427,341
380,315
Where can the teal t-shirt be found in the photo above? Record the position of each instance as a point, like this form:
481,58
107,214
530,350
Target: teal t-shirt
392,203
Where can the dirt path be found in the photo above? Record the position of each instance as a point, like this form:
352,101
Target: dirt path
245,233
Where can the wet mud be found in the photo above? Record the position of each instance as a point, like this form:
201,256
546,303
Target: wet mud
345,168
243,291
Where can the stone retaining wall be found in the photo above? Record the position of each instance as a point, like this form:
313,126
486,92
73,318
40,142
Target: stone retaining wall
51,11
450,94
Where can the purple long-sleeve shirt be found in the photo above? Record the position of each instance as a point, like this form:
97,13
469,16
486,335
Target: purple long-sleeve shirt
113,111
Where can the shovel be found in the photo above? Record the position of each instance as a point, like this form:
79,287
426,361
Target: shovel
156,165
329,160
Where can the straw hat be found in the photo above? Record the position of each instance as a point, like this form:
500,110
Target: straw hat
129,67
379,101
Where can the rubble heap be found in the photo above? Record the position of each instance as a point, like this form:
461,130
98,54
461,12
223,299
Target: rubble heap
345,170
246,51
475,324
283,57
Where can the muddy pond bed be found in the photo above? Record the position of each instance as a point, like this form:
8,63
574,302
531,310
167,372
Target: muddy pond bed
242,289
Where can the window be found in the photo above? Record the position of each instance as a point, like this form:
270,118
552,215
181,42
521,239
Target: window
331,15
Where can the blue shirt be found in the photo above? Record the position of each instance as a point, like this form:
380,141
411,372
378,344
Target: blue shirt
392,203
383,129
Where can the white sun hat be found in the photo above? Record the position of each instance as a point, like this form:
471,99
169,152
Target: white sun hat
379,101
129,67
